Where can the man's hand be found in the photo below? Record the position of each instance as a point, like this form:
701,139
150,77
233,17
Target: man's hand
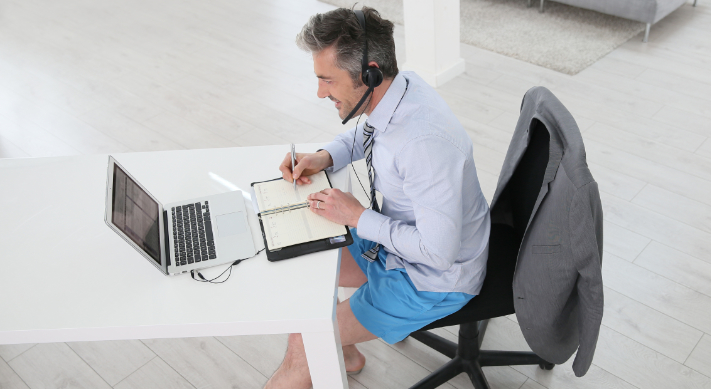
306,165
336,206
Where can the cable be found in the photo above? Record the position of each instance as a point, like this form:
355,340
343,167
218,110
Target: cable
354,136
353,146
212,281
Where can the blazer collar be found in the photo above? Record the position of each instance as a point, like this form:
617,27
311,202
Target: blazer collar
555,155
532,110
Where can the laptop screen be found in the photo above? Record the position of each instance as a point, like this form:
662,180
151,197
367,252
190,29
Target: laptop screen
136,214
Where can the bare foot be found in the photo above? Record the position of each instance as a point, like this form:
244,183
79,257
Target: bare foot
353,359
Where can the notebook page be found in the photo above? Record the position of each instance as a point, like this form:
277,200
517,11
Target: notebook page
280,193
298,226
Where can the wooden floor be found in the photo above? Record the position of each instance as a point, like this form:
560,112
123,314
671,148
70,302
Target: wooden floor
100,76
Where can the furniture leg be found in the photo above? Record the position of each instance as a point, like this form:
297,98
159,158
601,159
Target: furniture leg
436,342
438,377
509,358
694,3
541,9
482,330
646,33
530,3
325,358
476,376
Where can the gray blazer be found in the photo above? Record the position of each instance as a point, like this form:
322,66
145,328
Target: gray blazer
557,284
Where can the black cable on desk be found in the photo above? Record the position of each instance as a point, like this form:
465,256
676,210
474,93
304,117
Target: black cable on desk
212,281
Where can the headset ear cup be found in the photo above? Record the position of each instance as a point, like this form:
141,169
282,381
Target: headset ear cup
373,77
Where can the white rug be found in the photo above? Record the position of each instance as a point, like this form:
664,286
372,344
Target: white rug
563,38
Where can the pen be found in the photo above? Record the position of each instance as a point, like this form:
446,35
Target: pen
293,158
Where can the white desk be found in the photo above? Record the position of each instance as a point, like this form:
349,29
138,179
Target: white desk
67,277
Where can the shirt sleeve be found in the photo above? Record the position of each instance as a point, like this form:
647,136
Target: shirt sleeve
432,168
340,148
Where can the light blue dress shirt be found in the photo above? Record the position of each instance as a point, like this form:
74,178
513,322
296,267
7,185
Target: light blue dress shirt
435,220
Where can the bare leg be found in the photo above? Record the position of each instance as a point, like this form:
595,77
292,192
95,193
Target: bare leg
351,275
294,370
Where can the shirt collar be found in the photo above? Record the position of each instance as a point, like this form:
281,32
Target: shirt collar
383,112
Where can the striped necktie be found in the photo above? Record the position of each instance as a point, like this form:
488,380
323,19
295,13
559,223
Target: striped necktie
371,254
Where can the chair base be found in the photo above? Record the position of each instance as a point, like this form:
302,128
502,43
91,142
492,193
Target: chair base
468,358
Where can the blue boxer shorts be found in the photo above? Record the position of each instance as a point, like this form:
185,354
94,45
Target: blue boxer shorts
388,304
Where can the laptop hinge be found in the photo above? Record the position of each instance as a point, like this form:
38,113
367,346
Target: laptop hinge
166,235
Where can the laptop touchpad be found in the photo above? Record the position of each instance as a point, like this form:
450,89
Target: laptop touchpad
230,224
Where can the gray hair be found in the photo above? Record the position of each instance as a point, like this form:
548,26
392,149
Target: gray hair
340,28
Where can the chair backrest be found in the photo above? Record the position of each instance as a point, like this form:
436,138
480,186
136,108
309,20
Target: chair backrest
509,216
522,190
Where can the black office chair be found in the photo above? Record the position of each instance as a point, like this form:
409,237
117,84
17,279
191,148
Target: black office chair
496,296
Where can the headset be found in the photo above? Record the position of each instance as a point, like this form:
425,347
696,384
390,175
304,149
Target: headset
371,75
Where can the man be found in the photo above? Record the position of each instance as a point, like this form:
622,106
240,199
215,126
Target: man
423,256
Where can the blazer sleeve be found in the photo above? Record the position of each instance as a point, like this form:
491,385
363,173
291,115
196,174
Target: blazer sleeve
586,240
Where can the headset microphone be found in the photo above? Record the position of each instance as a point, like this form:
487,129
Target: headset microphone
362,99
372,76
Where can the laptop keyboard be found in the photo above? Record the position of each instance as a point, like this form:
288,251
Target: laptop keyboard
192,234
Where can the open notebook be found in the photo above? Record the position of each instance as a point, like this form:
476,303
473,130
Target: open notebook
287,220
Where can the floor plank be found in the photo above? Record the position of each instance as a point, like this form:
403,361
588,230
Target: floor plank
652,172
664,61
504,334
700,358
663,229
622,242
39,87
705,149
676,266
644,325
55,365
691,121
353,384
263,352
615,182
9,150
531,384
678,207
134,135
649,149
221,123
685,84
185,133
61,125
653,130
635,89
657,292
386,368
10,351
113,360
155,374
619,67
205,362
9,379
642,366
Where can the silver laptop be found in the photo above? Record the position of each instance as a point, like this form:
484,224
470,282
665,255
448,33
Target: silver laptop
178,237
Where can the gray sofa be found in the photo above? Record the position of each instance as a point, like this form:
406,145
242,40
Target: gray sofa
645,11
